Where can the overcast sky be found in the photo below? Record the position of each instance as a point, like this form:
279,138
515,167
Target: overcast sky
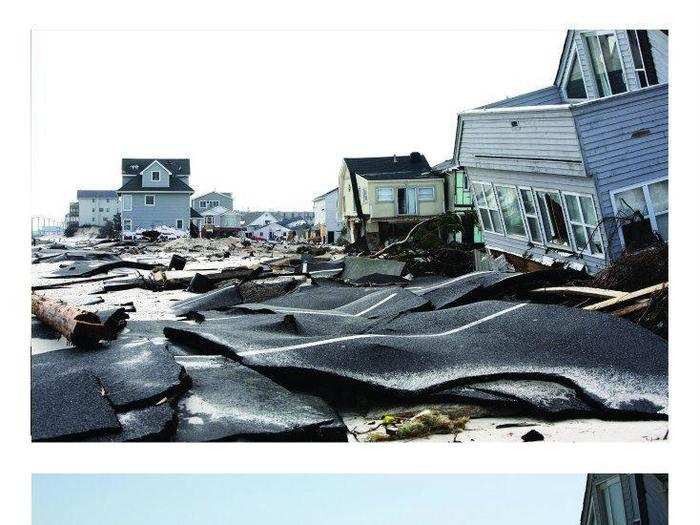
307,499
265,115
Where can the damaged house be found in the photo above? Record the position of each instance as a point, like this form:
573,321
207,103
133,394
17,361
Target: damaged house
624,499
155,192
578,171
384,197
326,226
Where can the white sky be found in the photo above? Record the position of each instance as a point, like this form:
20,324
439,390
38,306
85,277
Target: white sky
265,115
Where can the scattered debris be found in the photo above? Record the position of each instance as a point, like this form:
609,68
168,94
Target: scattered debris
532,435
81,327
422,424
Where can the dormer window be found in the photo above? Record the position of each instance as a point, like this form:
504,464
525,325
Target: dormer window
575,87
607,63
641,55
155,176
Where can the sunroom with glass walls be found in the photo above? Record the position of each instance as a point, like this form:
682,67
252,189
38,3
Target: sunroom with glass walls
534,219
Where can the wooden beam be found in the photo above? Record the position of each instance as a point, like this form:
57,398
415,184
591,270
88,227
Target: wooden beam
631,296
585,291
79,326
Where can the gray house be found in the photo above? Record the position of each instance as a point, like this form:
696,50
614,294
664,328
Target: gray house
155,192
212,200
577,171
625,499
326,225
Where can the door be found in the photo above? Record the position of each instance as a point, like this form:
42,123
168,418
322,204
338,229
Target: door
408,201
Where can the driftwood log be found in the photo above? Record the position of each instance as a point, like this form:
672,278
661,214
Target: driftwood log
79,326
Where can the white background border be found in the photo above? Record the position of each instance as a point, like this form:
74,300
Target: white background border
678,456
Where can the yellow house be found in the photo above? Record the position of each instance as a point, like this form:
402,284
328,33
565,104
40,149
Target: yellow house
392,194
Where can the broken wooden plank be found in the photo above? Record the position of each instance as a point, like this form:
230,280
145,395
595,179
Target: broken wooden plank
638,294
585,291
631,308
79,326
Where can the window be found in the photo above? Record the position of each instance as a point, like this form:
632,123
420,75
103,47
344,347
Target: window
641,56
202,204
612,501
155,176
102,210
126,203
649,200
214,203
510,209
127,225
533,222
553,219
575,87
149,200
384,194
426,193
584,223
209,219
607,64
178,224
364,194
488,209
463,197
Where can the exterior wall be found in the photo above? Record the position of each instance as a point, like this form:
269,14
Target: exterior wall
164,181
224,200
612,156
319,212
522,247
656,499
86,205
544,140
331,213
659,50
547,96
346,204
646,504
169,207
388,210
262,219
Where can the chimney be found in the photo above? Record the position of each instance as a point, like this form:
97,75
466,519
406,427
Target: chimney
415,157
395,161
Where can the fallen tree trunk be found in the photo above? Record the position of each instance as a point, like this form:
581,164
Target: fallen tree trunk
79,326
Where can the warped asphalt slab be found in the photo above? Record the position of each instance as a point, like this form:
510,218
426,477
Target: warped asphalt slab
614,366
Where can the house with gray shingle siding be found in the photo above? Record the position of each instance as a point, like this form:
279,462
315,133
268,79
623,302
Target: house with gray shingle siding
575,172
625,499
155,192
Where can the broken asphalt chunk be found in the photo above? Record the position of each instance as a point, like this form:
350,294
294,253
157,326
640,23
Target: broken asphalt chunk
228,401
153,423
68,406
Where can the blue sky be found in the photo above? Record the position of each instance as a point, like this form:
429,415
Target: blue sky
306,499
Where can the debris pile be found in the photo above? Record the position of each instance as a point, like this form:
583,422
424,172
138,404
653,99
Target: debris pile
293,347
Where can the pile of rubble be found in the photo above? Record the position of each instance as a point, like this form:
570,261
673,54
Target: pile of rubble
317,346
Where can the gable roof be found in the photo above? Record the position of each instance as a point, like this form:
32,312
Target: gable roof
217,210
325,194
100,194
413,166
222,193
174,166
135,184
194,214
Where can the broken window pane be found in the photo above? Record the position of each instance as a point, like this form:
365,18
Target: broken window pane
630,201
488,209
553,218
512,218
659,196
613,64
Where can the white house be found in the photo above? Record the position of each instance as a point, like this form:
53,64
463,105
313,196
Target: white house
221,217
96,207
326,219
273,231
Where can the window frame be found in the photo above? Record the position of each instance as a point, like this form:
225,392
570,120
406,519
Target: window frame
598,34
124,222
377,192
652,213
209,220
571,223
478,207
570,246
145,199
153,178
181,225
600,490
536,215
202,205
130,199
462,193
433,192
572,59
520,209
